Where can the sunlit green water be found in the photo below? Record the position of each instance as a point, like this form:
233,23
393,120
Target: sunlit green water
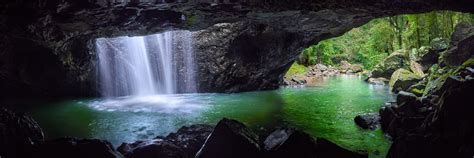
324,111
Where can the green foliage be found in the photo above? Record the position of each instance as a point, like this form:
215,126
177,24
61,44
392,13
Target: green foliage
191,20
371,43
296,69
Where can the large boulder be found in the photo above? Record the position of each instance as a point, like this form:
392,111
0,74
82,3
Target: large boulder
428,56
462,45
19,133
367,121
230,139
77,148
288,143
398,59
185,143
285,143
402,79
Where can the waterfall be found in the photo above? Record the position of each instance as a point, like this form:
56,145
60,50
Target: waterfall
148,65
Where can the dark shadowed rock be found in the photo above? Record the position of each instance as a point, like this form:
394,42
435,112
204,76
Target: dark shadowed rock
327,149
462,42
18,133
387,116
156,148
433,52
405,98
77,148
185,143
286,143
446,132
367,121
230,139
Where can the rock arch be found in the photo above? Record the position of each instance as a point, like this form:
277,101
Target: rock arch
251,43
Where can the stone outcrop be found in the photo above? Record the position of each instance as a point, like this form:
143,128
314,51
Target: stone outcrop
48,46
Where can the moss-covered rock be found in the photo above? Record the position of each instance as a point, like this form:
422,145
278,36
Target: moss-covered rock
402,79
418,88
439,44
398,59
437,76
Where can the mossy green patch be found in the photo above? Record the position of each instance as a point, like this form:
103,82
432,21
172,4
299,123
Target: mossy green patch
296,69
417,92
191,20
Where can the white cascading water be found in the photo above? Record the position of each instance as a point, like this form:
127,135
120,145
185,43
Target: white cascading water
148,65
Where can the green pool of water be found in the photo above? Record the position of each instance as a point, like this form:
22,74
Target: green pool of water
324,111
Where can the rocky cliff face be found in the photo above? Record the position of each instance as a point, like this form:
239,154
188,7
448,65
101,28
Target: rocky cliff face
47,47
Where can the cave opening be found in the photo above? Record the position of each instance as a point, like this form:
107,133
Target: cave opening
236,78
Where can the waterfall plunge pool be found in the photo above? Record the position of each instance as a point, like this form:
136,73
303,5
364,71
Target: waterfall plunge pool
324,111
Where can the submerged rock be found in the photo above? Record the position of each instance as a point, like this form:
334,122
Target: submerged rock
18,133
230,139
77,148
367,121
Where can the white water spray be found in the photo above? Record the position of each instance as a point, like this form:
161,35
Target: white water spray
149,65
